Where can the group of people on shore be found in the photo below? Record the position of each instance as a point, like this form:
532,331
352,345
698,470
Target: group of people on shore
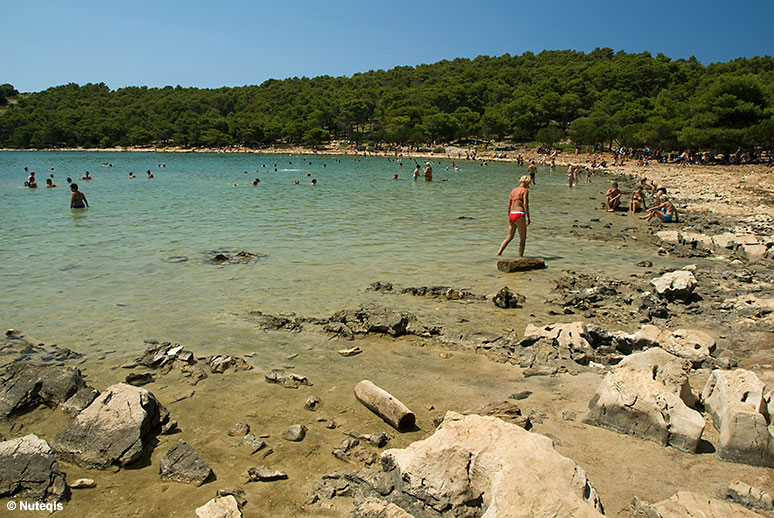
663,209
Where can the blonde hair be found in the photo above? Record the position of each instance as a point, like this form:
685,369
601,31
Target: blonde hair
526,180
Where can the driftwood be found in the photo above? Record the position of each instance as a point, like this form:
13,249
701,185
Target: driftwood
385,405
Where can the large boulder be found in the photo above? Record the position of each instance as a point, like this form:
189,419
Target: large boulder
677,285
28,468
739,405
26,385
114,429
691,505
484,465
648,395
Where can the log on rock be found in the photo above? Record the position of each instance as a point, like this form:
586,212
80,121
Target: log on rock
520,265
384,404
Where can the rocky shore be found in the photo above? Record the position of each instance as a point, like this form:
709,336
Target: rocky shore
646,395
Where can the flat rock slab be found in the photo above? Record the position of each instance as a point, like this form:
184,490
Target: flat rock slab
26,385
688,505
521,265
183,464
221,507
28,468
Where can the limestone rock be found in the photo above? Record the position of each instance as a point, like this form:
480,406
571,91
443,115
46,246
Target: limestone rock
506,410
114,429
690,344
239,429
689,505
264,473
754,252
739,406
183,464
83,483
520,265
80,400
505,298
376,508
675,285
726,240
648,396
220,507
670,236
692,238
492,466
295,433
571,339
221,363
26,385
748,496
28,468
286,379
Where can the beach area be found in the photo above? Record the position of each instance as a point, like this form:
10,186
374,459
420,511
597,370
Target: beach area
392,282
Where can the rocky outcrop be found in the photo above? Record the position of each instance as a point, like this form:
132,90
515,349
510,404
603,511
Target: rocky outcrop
28,468
689,505
19,347
677,285
162,354
114,429
740,408
27,385
648,395
475,464
444,292
183,464
521,265
373,318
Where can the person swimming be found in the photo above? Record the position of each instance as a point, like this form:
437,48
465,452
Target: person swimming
87,176
518,215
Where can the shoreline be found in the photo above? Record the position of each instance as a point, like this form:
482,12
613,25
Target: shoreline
737,190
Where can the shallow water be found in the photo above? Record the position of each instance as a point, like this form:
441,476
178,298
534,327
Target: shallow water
109,276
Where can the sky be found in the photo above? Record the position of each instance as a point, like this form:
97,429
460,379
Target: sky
234,43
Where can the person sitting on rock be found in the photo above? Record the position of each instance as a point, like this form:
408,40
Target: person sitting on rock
665,211
613,197
637,202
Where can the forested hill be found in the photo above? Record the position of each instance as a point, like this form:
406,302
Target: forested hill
635,100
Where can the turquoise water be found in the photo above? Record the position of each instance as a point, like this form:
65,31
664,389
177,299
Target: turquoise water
101,277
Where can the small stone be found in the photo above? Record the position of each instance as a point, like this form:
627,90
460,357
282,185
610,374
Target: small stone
221,507
253,441
567,415
83,483
312,403
264,473
295,433
169,427
520,395
239,429
521,264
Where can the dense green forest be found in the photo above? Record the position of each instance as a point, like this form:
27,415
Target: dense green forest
601,98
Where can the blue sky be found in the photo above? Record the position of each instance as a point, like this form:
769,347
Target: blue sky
233,43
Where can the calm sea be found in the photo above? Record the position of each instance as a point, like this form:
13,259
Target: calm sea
134,265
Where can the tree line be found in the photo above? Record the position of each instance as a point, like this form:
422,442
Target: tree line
601,98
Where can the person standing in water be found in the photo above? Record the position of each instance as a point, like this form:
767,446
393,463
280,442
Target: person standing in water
532,169
77,199
518,215
428,173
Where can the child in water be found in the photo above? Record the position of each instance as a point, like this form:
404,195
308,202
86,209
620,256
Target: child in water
77,199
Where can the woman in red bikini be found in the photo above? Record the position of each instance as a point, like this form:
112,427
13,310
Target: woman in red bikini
518,214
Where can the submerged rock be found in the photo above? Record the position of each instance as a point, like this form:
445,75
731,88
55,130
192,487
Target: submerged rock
505,298
28,468
286,379
183,464
114,429
264,473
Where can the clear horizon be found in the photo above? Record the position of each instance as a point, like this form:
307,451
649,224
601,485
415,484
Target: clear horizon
194,44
